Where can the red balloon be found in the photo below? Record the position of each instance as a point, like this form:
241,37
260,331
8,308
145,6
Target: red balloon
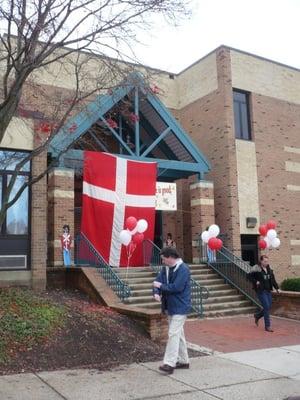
213,243
138,238
262,244
263,229
130,223
220,244
271,224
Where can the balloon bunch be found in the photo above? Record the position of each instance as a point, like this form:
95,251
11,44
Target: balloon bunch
133,234
210,237
270,239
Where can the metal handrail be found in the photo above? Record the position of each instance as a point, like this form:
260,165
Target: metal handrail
151,255
233,269
86,254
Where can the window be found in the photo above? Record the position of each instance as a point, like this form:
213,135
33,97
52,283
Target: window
16,221
241,115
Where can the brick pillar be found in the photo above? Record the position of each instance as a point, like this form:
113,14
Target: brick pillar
225,178
60,211
39,224
202,212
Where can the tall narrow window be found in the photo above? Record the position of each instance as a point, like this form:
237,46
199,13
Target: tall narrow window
15,229
241,115
16,221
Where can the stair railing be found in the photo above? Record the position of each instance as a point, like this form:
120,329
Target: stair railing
151,256
233,269
86,254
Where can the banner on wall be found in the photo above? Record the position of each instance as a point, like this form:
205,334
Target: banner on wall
113,190
166,196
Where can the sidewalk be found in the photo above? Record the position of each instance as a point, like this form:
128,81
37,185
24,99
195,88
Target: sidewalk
260,374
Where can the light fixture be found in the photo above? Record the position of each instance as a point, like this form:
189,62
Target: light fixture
251,222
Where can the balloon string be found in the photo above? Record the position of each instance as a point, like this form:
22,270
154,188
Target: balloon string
129,254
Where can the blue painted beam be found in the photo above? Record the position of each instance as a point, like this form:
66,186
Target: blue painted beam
98,141
117,136
153,135
158,139
85,119
191,168
137,123
178,131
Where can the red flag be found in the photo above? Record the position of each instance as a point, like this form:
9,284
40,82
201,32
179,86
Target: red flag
113,190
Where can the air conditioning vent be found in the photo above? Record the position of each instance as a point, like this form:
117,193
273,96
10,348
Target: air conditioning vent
13,262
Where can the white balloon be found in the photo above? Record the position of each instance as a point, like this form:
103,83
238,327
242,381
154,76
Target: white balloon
268,241
213,231
142,225
125,237
205,236
272,234
275,242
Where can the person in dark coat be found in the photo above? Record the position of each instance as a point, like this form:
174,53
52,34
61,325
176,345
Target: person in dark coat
173,288
263,280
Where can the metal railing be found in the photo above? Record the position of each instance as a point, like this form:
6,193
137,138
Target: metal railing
86,254
151,255
233,269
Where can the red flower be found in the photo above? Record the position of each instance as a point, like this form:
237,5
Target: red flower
112,123
133,117
155,89
45,127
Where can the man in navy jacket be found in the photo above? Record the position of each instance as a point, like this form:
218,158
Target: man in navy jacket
173,289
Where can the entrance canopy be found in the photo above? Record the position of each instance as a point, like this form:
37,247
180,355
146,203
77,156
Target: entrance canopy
132,122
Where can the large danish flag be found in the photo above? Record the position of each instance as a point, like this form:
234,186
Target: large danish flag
113,190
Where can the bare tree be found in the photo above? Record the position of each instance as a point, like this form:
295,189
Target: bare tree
41,36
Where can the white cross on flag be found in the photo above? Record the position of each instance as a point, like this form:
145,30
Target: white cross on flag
113,190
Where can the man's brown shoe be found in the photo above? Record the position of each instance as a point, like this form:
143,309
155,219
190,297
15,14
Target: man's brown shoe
167,369
182,365
269,329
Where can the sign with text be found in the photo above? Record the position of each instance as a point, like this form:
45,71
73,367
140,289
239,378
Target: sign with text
166,196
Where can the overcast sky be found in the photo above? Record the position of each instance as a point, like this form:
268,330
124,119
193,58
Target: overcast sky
268,28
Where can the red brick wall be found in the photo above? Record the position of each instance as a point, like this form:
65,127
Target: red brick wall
39,224
209,121
276,124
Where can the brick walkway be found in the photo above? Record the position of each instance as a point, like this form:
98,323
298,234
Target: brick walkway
240,333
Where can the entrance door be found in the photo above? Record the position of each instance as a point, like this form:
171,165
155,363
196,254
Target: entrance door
249,248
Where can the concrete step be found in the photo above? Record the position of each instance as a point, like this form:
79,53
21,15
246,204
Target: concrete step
139,300
142,292
224,299
224,292
229,304
202,277
134,275
219,286
229,311
211,301
210,282
201,271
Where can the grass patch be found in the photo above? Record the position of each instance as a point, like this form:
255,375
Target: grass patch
26,319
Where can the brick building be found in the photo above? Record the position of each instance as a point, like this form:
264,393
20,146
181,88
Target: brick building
242,112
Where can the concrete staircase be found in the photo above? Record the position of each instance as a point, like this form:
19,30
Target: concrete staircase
223,299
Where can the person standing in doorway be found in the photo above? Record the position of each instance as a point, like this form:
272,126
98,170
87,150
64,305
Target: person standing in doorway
263,280
169,242
66,241
172,288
